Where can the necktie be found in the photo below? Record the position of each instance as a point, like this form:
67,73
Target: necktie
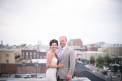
60,54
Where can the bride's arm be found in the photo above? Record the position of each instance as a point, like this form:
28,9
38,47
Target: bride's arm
49,64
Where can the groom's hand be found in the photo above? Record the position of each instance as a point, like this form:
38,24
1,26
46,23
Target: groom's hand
69,77
61,65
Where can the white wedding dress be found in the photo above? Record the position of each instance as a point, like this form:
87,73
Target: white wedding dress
51,72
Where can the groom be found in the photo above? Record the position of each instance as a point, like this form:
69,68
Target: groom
66,56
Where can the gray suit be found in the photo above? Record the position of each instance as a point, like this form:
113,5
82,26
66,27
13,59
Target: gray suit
68,59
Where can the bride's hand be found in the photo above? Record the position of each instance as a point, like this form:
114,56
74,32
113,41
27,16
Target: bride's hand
60,65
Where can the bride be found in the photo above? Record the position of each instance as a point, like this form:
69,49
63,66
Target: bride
52,61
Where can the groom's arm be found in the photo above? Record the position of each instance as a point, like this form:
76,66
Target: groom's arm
72,61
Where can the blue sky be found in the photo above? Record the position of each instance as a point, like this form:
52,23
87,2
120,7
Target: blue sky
30,21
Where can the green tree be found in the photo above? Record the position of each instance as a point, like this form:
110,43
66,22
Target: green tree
100,61
107,60
92,60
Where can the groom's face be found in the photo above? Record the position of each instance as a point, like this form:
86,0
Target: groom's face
63,41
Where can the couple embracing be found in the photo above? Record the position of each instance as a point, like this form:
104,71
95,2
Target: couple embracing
60,61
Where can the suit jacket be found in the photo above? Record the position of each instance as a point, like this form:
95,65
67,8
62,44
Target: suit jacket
68,59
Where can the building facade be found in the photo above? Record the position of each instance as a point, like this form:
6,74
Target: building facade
114,50
75,42
28,55
7,56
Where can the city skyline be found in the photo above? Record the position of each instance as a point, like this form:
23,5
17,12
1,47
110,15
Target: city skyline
32,21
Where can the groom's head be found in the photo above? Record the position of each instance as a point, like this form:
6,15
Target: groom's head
63,41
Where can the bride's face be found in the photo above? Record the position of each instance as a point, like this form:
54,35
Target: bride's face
54,46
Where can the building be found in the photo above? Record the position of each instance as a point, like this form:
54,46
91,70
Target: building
114,50
75,42
7,56
31,68
28,55
92,47
95,46
1,44
88,54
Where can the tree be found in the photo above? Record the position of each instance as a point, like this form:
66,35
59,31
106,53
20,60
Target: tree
107,60
92,60
100,62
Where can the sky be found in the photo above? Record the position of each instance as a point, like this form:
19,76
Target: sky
33,21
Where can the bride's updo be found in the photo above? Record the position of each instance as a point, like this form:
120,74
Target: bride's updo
53,41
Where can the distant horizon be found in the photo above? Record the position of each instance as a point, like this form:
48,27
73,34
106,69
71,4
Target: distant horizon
46,44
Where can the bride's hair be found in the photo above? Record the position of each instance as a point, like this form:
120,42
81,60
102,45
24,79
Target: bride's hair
53,41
